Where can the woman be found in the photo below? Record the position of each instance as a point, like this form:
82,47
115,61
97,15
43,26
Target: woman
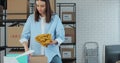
43,21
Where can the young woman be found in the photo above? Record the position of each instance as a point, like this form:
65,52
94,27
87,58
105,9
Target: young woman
43,21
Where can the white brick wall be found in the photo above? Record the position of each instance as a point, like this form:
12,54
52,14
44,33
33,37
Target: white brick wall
97,21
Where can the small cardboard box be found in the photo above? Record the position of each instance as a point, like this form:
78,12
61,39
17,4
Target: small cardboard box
67,53
38,59
70,35
13,36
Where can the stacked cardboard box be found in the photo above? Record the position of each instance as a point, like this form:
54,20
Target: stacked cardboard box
13,36
68,16
70,35
53,5
67,51
17,6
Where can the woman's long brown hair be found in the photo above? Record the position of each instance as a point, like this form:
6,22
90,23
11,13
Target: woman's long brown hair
48,11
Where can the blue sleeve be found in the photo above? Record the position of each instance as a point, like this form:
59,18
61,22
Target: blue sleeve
26,31
60,33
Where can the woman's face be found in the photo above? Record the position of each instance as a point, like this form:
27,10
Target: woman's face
41,6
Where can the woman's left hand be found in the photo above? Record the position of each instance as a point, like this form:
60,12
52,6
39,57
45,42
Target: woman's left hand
53,42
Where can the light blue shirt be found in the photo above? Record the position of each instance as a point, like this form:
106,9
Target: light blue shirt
32,29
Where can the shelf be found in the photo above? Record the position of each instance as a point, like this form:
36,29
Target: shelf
24,20
14,20
17,50
14,47
2,48
70,13
2,25
68,22
66,5
68,43
68,59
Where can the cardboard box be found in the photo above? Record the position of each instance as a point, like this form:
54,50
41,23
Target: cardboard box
18,58
13,36
70,35
53,5
38,59
67,52
10,58
17,6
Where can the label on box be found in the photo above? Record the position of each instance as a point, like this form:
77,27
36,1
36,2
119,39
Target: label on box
67,54
67,17
68,39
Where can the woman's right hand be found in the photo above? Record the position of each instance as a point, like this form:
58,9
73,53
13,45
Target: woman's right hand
26,49
25,44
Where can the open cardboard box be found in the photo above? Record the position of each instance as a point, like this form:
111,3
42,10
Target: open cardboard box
17,57
38,59
22,58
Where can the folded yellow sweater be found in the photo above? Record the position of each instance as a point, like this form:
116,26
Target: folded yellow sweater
44,39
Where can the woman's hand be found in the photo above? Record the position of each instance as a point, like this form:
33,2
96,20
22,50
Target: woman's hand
54,42
25,44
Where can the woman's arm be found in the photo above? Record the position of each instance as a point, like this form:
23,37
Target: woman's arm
25,44
60,33
25,36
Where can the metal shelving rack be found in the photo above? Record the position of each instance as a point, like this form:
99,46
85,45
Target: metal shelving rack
2,48
14,21
59,10
2,45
